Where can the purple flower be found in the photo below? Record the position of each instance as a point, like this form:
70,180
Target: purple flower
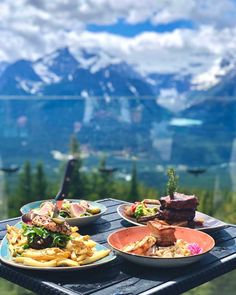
194,249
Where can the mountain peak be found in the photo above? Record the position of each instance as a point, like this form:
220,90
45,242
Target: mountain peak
21,68
55,66
63,51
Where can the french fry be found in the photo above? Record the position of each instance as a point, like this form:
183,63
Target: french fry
66,262
96,256
74,229
86,238
90,243
81,258
46,254
80,250
73,256
32,262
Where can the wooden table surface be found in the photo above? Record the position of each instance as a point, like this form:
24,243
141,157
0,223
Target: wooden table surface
120,276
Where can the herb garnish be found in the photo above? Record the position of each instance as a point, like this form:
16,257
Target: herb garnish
172,183
33,233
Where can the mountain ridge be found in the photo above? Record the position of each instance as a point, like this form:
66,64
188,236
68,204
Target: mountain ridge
100,74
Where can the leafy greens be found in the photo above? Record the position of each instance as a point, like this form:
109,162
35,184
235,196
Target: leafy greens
33,233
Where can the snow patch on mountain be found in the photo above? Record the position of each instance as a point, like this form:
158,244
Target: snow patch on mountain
49,58
3,66
110,87
107,74
212,77
45,74
28,86
102,61
86,63
171,99
133,89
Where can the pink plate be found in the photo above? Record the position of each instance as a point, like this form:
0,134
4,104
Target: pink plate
121,238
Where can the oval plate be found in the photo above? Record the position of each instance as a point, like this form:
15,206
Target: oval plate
123,237
78,221
5,256
210,223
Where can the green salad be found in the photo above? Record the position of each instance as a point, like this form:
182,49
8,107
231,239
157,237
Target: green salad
35,236
140,209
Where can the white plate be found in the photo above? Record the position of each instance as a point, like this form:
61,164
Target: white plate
210,223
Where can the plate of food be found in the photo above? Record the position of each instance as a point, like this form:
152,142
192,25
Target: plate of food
158,245
46,245
76,212
174,209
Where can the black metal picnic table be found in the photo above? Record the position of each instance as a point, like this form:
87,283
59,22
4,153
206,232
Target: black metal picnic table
120,276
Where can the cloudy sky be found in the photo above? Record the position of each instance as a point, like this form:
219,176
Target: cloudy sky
154,35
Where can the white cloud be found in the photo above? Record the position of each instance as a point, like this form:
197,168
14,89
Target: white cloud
177,51
207,12
31,28
109,11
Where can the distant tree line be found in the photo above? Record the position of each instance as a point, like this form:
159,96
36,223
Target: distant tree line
34,184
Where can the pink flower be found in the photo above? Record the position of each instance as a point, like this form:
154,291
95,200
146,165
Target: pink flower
194,249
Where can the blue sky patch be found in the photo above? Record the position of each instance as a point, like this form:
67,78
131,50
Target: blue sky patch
129,30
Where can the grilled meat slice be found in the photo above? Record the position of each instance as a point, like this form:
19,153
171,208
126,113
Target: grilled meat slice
47,223
176,215
77,210
46,208
151,201
180,201
144,219
164,234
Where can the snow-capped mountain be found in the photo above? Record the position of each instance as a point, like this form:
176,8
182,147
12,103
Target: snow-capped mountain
225,87
60,73
3,66
89,73
108,123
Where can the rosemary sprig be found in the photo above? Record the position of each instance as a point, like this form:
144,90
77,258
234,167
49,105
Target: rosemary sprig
172,183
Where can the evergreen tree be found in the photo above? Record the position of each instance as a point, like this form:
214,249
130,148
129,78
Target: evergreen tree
77,184
134,191
24,188
39,183
210,202
202,195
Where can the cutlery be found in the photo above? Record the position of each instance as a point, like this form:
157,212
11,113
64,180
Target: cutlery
63,192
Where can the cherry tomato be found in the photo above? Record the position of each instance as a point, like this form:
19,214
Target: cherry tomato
134,206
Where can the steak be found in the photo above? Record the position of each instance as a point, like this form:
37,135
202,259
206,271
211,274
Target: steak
176,215
179,202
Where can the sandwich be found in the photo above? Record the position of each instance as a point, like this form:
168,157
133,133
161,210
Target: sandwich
43,232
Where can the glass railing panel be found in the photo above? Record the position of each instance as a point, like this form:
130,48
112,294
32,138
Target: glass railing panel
198,141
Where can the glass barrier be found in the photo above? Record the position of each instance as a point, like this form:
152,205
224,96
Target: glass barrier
125,145
119,138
